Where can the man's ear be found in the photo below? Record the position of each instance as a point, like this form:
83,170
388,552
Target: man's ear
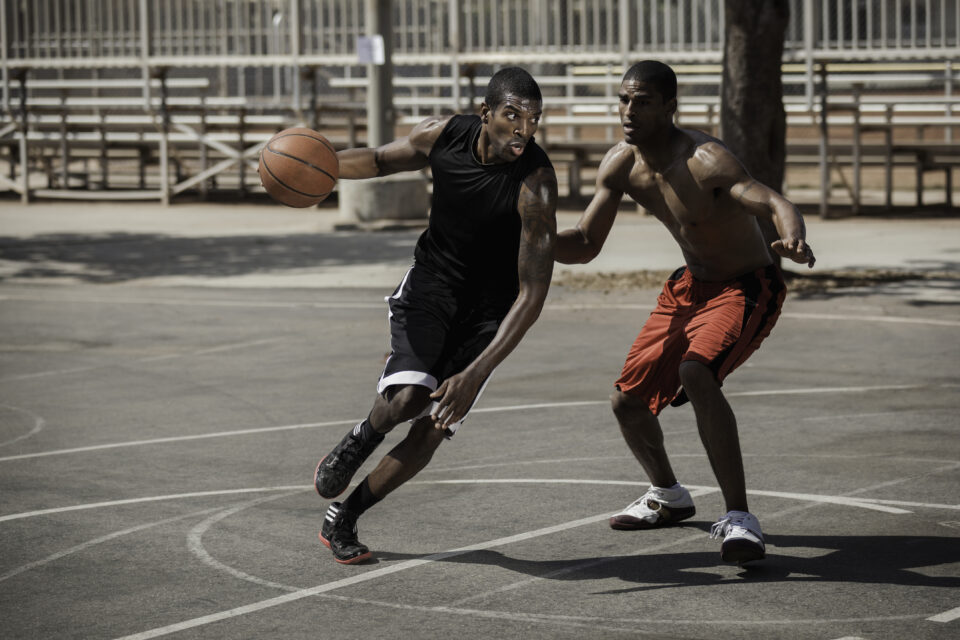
484,112
672,106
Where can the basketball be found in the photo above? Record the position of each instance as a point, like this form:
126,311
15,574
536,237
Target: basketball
298,167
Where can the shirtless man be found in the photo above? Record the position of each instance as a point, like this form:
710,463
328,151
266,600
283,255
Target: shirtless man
480,275
713,312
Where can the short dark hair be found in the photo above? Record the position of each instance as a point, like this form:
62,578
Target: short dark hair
656,73
512,80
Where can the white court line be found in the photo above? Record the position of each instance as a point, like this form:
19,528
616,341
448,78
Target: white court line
946,616
220,349
377,573
379,305
100,540
195,543
202,436
38,424
118,503
364,577
808,497
863,503
204,303
169,356
519,407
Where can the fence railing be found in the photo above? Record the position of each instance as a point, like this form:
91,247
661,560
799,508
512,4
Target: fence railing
189,63
131,32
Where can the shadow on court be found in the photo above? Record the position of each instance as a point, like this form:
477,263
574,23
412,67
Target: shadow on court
880,560
122,257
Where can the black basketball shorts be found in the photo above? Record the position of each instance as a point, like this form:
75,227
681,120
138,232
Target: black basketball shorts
436,331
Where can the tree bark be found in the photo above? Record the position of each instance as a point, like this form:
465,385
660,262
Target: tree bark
752,118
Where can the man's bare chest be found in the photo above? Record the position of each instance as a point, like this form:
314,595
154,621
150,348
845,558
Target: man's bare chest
674,198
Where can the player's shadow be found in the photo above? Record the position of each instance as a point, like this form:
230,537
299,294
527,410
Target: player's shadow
121,257
889,560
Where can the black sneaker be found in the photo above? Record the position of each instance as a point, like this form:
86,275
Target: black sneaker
339,534
335,471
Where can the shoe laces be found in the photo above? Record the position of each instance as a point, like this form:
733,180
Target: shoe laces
727,522
350,453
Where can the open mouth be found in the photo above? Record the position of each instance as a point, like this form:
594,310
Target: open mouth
516,147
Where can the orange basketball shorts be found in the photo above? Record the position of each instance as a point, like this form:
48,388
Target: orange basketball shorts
717,323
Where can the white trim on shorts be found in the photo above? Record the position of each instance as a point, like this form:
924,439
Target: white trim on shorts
428,381
419,377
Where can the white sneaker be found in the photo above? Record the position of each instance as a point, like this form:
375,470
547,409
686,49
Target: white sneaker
742,538
658,507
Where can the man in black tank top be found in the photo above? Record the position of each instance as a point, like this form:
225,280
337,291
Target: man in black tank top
479,279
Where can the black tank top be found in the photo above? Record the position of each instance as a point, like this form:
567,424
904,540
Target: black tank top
473,238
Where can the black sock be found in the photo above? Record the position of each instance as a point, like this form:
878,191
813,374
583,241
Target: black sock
364,432
361,499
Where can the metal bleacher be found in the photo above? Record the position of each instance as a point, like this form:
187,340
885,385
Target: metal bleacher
156,99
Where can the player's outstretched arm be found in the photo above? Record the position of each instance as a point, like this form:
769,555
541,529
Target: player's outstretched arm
409,153
538,214
760,200
582,243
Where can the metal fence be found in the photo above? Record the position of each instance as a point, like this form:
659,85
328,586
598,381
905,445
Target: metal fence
282,59
126,32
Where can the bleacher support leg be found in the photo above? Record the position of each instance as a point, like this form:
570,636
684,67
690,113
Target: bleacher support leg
948,184
573,180
164,171
24,169
856,150
888,161
919,170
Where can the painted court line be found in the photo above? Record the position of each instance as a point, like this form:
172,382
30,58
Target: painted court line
118,503
106,538
168,356
863,503
202,436
38,424
379,305
520,407
946,616
364,577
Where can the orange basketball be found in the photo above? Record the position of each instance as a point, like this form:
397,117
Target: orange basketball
299,167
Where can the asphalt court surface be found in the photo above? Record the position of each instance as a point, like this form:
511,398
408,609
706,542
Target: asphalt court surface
157,445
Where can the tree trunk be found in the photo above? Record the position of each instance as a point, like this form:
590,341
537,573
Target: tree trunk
752,119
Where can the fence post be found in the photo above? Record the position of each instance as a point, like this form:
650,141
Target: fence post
295,55
888,159
856,149
145,52
380,118
3,55
824,145
808,45
164,150
24,152
453,7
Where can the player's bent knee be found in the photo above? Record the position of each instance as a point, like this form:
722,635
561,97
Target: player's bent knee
426,434
626,406
406,402
696,375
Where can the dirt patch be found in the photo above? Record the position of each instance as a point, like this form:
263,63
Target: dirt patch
797,282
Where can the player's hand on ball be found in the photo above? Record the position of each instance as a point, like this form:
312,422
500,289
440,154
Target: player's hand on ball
454,398
795,249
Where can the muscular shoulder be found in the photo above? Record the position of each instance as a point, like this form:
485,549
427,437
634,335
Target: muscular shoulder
540,185
616,166
425,134
714,164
